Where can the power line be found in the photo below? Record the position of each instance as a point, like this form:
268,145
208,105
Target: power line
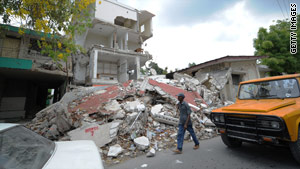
285,8
281,9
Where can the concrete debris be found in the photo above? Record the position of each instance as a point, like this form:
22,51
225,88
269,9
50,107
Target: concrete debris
113,106
142,143
151,153
144,165
178,162
134,106
132,117
114,151
100,134
166,119
156,109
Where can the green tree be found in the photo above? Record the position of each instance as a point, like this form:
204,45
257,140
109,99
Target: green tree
158,69
54,17
165,71
275,43
191,64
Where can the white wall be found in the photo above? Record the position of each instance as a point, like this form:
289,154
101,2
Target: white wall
93,39
108,10
107,68
249,67
147,28
133,46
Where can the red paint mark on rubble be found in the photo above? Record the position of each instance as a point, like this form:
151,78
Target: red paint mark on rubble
173,91
91,130
94,103
126,84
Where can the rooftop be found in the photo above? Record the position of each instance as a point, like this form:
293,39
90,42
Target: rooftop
221,60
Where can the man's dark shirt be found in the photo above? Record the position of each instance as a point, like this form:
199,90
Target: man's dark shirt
184,110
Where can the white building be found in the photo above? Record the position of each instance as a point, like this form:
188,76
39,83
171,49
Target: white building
114,43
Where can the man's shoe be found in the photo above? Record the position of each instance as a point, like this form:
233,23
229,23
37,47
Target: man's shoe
177,151
196,147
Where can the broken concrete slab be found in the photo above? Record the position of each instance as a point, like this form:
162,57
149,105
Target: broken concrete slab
131,117
142,143
120,114
160,91
114,128
92,131
132,106
151,153
156,124
113,106
166,119
114,151
52,132
156,109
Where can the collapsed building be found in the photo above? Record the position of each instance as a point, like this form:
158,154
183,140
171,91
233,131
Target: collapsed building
115,55
26,74
114,43
129,119
227,72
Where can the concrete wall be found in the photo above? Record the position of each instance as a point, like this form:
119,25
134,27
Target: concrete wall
108,10
147,28
122,71
80,68
93,38
246,70
107,71
247,67
133,46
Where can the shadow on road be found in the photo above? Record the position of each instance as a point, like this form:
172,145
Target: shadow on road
265,154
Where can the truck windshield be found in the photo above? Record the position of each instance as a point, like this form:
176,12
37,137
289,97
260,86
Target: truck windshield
283,88
21,148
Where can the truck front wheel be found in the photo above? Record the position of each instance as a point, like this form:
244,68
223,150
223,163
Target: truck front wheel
295,148
230,142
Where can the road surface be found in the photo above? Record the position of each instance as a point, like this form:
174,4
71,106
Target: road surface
213,154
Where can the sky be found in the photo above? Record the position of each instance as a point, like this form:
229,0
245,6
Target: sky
186,31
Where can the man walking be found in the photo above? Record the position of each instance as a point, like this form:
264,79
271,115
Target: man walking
185,123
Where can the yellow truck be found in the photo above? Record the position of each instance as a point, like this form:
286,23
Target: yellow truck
266,111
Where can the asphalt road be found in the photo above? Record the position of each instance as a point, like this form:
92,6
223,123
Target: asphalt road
213,154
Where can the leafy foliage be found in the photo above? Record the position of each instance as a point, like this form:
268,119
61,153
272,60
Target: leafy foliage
50,17
158,69
191,64
275,43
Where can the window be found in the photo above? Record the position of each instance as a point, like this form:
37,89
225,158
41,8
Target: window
236,79
21,148
283,88
142,28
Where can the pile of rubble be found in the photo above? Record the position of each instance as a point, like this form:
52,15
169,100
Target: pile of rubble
130,119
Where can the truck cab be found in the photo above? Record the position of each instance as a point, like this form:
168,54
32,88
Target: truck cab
266,111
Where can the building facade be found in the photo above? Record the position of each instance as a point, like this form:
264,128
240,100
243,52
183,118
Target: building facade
114,43
228,72
26,75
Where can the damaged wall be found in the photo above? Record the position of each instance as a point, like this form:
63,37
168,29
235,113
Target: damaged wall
228,75
109,10
93,38
133,117
80,67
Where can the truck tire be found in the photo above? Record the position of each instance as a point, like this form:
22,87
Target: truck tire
295,147
230,142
